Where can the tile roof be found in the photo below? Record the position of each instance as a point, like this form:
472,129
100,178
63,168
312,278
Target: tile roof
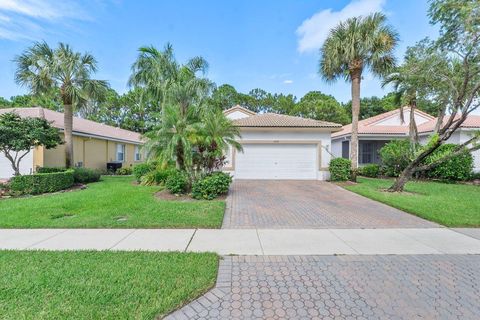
279,120
80,126
471,121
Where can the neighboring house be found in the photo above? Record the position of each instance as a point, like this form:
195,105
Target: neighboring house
279,146
94,145
375,132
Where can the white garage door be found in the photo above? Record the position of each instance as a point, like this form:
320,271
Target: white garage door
6,170
276,161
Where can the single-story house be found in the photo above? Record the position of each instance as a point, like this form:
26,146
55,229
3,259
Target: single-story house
94,144
279,147
375,132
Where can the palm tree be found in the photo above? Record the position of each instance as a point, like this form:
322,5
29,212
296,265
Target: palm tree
180,93
216,134
41,69
353,46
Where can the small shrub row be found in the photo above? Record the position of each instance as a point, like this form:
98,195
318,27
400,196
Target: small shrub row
177,182
125,171
157,176
211,186
340,169
42,182
370,170
142,169
86,175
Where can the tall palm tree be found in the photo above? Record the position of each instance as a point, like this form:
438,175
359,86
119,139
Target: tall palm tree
180,92
352,47
41,69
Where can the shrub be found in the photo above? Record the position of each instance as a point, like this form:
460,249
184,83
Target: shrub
211,186
41,182
157,176
126,171
177,182
86,175
50,169
457,168
396,155
370,170
340,169
142,169
475,176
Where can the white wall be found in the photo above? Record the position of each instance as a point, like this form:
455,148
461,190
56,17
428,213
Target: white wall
237,115
395,120
26,165
337,147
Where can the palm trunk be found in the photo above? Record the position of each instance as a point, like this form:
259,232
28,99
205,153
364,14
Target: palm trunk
413,131
356,78
68,127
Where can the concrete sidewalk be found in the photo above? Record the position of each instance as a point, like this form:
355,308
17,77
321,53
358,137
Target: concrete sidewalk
248,241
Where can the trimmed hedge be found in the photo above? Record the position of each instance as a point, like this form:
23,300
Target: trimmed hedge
50,169
42,182
211,186
396,155
340,169
370,170
177,182
458,168
86,175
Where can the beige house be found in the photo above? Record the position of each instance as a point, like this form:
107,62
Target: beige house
95,144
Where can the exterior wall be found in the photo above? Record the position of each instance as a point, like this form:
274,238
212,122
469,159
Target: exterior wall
90,152
322,139
26,165
237,115
396,121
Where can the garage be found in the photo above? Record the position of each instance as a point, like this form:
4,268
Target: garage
277,161
6,171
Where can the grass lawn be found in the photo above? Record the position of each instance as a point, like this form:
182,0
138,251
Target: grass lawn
453,205
100,285
113,202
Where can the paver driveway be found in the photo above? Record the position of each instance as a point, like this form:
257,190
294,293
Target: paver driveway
308,204
342,287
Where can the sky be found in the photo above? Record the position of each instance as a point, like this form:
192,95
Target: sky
268,44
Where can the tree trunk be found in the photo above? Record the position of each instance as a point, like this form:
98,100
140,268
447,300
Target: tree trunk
356,75
68,127
180,156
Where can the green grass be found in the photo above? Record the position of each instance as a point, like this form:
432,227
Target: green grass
453,205
100,285
114,202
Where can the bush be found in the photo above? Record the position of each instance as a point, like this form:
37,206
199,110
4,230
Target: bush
142,169
157,176
50,169
41,182
340,169
475,176
211,186
177,182
86,175
396,155
370,170
124,171
458,168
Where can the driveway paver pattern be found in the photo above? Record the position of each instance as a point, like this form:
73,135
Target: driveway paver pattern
342,287
308,204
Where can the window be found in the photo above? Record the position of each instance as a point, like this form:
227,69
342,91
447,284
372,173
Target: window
120,152
346,149
366,152
138,155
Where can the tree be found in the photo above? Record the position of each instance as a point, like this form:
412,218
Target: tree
4,103
353,46
18,135
179,92
448,72
317,105
225,97
43,69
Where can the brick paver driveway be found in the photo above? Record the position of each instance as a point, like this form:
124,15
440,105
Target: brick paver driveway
308,204
342,287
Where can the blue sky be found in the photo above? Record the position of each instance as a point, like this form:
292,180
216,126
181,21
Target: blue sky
249,44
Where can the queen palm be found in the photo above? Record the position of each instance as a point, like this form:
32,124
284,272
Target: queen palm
353,46
41,69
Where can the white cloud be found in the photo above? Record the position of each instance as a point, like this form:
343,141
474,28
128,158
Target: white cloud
25,19
287,81
314,30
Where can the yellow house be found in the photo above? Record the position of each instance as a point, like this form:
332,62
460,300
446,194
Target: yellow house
94,145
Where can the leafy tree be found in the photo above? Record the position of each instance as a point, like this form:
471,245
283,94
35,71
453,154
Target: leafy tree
225,97
4,103
43,69
18,135
283,104
353,46
317,105
447,72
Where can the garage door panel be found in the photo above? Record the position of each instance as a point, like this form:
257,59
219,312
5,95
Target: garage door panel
276,161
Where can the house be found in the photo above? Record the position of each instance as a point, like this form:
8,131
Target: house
279,147
375,132
94,145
